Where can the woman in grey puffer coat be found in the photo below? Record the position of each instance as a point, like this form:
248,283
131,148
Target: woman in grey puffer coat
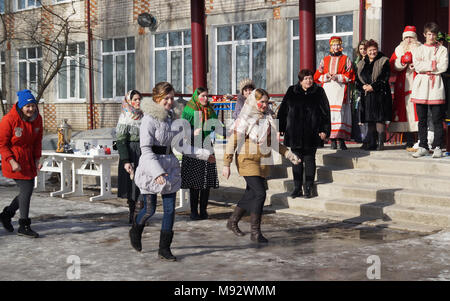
159,170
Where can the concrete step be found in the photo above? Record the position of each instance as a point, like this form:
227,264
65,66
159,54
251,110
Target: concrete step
387,180
401,196
402,164
386,211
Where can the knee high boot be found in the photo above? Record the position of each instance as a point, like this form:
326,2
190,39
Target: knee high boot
136,236
255,220
165,241
232,223
204,196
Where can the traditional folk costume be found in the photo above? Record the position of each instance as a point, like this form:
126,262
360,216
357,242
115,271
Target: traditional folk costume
428,93
339,65
404,117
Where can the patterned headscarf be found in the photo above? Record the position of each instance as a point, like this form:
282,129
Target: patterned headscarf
128,109
205,112
253,123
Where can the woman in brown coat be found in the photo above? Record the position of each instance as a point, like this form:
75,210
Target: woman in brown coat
251,137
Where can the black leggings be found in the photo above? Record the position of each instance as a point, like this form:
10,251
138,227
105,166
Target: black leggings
254,195
22,201
308,157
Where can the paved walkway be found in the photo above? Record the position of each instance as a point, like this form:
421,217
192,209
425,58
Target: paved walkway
95,235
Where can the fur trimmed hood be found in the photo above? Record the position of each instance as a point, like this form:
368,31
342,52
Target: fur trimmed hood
149,107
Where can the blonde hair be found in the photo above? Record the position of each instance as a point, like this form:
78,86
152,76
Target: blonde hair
259,93
161,90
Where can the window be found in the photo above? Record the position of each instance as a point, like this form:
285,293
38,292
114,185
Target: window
2,6
326,27
118,67
30,68
27,4
72,75
240,53
173,60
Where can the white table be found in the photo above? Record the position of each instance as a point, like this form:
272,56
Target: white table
72,168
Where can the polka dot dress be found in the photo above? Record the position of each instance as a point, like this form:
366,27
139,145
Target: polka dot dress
198,174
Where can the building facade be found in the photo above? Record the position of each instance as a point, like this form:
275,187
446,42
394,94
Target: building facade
245,38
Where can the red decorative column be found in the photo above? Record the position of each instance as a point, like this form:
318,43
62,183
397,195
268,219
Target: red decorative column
198,37
307,33
362,10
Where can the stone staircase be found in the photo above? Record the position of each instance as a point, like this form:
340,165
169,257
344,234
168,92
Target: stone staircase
386,188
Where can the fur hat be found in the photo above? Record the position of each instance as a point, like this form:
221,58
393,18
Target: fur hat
410,31
245,83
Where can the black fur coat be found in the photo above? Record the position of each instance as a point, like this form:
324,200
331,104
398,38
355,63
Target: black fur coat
303,115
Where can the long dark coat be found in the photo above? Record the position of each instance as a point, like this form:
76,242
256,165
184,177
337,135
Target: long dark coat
303,115
375,106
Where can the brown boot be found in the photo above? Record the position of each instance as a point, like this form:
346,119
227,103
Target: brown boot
232,223
255,220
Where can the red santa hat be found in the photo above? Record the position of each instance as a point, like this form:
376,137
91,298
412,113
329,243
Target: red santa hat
410,31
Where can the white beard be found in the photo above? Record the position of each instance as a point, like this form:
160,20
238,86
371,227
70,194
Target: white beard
409,47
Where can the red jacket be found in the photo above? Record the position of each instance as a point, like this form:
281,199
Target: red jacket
22,141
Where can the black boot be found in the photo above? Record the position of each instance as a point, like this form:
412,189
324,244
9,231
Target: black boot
255,226
333,144
165,240
193,200
298,191
204,196
131,207
25,229
309,191
136,236
380,141
5,218
232,223
342,145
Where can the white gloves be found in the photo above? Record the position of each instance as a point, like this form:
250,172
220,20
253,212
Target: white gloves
292,157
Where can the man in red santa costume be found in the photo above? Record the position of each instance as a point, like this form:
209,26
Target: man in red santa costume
404,119
334,74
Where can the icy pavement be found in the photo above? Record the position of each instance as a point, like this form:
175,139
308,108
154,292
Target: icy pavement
95,235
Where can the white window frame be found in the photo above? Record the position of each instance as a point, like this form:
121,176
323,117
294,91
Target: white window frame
319,37
115,54
78,70
169,50
28,61
36,4
233,44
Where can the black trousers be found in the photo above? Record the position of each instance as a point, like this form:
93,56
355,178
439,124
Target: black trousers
437,115
254,195
308,157
22,201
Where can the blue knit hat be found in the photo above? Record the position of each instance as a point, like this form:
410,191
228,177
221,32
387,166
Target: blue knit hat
25,97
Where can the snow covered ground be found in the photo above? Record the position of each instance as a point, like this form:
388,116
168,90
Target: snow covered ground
89,241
